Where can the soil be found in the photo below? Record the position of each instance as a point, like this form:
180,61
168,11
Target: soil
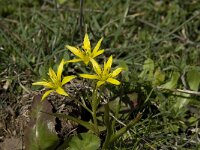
15,117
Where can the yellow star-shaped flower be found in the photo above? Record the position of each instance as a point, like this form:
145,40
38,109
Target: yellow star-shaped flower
86,54
103,75
56,82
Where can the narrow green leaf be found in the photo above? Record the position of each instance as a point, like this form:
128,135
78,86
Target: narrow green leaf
81,122
193,79
119,133
108,126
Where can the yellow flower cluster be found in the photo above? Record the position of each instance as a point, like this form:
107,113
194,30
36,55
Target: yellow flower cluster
56,82
103,74
86,55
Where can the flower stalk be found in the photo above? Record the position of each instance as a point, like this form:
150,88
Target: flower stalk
94,104
108,126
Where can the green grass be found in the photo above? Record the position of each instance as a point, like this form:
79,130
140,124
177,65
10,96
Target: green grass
33,35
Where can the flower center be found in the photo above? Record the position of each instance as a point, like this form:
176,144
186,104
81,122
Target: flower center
57,83
104,77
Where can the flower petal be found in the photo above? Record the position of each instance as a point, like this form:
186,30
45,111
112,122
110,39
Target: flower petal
99,83
73,60
96,66
88,76
60,70
75,51
67,79
46,94
97,46
97,53
116,72
113,81
61,91
86,43
46,84
52,75
107,66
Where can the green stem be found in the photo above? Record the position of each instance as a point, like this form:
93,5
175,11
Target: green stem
95,104
108,126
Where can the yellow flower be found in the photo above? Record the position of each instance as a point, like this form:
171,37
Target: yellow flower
103,75
56,83
86,54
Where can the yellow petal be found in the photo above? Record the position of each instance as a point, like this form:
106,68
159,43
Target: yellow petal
46,84
116,72
60,70
52,75
107,66
96,66
46,94
73,60
99,83
97,46
61,91
86,43
113,81
88,76
75,51
97,53
67,79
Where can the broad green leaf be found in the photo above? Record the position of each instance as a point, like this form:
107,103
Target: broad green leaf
174,127
41,134
41,137
159,77
181,103
173,82
114,104
193,79
84,141
192,119
148,69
